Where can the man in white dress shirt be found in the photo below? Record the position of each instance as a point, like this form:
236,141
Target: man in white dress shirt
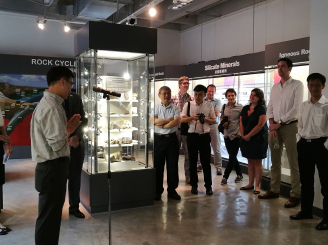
166,145
200,117
285,100
312,147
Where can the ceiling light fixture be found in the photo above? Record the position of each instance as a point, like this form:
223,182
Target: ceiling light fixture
178,4
152,12
126,76
41,23
66,28
132,21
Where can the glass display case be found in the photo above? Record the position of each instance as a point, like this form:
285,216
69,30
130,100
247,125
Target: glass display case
119,131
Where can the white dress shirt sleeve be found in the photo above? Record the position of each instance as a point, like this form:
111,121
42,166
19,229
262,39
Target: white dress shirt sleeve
300,124
212,114
176,112
53,128
269,113
298,99
184,110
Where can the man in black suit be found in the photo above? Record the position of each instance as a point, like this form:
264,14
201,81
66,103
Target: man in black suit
73,105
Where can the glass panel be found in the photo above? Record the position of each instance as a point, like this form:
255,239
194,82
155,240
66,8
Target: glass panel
86,64
117,126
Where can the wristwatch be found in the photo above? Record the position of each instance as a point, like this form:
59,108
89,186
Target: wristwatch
6,143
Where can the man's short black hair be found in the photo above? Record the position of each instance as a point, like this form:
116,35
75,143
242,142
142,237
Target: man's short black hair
288,61
58,72
315,76
199,88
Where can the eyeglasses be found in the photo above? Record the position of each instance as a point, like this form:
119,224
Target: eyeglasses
72,84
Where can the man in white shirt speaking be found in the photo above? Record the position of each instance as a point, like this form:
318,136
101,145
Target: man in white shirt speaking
199,117
312,148
285,100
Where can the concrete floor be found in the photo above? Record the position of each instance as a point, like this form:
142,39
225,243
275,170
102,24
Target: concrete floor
230,216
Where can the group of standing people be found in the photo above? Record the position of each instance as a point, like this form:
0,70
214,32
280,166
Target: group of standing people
302,128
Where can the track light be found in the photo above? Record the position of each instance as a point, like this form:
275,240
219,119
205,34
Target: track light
126,76
41,23
152,12
132,21
178,4
66,28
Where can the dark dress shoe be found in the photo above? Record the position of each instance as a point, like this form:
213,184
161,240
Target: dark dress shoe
78,214
194,190
269,195
3,232
174,196
7,229
323,225
301,216
158,197
292,202
209,191
246,189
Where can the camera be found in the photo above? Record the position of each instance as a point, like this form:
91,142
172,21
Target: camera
201,118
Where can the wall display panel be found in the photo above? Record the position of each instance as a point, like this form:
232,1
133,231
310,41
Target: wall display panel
22,82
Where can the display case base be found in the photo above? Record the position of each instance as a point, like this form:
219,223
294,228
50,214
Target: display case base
131,187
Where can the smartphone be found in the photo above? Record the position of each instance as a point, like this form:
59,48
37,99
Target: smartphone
5,158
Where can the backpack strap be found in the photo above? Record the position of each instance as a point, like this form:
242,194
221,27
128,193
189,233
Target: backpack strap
188,111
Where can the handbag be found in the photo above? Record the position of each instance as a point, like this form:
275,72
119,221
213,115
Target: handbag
185,126
224,120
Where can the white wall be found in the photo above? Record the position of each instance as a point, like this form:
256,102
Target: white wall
319,60
168,47
274,21
20,35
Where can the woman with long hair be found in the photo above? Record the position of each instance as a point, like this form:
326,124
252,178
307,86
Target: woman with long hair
254,134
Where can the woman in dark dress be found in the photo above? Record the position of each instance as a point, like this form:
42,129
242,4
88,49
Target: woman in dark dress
254,133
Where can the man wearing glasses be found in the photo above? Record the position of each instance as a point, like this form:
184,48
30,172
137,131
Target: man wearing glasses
50,149
200,117
179,100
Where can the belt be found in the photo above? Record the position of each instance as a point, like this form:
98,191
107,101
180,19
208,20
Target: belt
312,140
295,121
164,135
199,134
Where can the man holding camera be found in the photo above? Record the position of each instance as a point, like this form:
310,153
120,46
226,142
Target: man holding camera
200,116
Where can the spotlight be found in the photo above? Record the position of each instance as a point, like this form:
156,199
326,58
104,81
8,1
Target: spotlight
41,23
178,4
152,12
132,21
66,28
126,76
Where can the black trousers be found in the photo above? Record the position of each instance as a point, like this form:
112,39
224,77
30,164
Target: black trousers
311,154
166,149
232,148
199,143
74,179
50,181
